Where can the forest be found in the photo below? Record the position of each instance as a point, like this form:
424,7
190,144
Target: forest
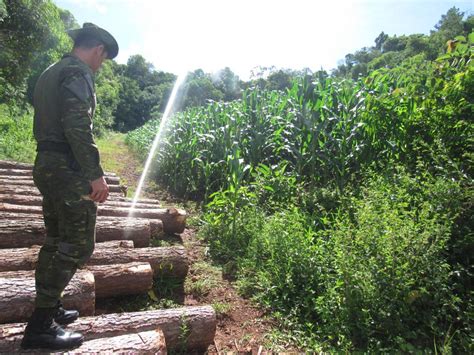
341,202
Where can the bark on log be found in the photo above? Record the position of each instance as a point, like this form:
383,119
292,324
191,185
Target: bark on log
13,168
110,280
30,183
17,295
9,164
149,342
32,190
121,279
174,220
11,179
26,258
29,200
31,231
165,261
200,323
156,227
151,201
17,172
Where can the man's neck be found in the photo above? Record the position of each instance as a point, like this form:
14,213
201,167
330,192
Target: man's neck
83,56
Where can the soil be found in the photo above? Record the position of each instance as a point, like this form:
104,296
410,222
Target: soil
244,327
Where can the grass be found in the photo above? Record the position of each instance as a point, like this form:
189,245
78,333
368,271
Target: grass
222,309
202,278
116,157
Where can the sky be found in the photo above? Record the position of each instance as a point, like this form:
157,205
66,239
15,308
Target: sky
183,35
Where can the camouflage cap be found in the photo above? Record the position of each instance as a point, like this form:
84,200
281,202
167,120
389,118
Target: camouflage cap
89,29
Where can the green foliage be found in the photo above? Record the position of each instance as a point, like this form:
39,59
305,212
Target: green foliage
107,92
389,52
377,278
16,135
351,260
33,37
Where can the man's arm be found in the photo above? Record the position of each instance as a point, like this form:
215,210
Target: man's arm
77,102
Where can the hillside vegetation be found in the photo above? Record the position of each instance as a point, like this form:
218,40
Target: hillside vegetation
343,206
340,202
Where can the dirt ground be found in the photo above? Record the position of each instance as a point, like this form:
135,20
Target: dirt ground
243,328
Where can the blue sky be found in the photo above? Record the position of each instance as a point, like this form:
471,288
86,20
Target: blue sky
183,35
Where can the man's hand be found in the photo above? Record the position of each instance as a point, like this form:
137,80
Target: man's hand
100,190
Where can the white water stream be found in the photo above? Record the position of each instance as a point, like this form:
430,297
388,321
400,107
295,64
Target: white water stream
157,139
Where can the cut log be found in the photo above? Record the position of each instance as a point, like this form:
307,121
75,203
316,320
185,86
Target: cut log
12,179
110,280
29,183
31,231
26,258
199,323
13,168
121,279
107,233
17,172
151,201
32,190
29,200
8,164
165,261
149,342
174,220
17,295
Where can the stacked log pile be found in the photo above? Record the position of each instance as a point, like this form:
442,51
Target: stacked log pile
123,263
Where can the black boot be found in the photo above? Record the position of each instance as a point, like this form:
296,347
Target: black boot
43,332
63,316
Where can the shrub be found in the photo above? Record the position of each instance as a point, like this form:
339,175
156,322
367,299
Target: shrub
16,136
377,278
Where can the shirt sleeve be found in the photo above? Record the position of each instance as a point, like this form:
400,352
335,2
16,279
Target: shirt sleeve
77,109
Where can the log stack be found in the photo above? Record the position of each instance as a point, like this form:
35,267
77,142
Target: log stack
122,264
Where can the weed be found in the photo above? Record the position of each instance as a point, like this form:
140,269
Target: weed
202,278
222,309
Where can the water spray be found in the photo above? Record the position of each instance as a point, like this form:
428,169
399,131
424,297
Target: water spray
157,139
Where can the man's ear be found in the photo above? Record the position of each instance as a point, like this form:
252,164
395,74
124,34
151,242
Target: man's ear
101,50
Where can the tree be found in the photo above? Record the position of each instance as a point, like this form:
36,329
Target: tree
379,41
32,35
68,19
107,90
448,27
394,44
228,83
127,114
280,80
199,89
139,69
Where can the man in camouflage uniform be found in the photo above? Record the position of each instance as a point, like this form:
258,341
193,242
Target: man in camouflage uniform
67,171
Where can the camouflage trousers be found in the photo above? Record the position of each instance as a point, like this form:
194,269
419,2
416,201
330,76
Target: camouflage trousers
69,219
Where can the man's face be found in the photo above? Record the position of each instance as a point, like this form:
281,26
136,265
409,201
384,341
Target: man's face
98,57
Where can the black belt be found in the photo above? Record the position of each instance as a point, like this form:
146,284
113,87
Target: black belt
53,147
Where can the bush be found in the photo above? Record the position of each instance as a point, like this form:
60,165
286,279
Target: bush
16,136
377,277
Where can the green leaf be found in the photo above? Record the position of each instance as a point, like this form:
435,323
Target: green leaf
470,38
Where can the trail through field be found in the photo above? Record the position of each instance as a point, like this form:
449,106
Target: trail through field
242,327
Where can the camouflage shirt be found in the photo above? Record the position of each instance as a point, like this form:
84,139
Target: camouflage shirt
64,102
